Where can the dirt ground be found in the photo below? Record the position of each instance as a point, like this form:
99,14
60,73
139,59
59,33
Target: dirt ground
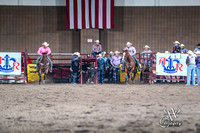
104,108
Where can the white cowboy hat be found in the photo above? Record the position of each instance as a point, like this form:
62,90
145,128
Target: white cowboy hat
77,53
45,44
176,42
146,46
117,52
190,52
198,52
104,52
97,41
167,52
100,55
182,45
128,43
111,52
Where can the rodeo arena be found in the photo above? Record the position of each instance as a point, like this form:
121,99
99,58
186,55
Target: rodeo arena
100,66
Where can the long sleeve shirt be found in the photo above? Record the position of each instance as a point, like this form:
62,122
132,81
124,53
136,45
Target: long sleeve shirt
146,53
196,49
101,63
184,50
116,61
96,48
131,50
198,61
176,49
44,50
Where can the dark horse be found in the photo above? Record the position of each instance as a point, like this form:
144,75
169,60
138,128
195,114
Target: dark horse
130,66
43,67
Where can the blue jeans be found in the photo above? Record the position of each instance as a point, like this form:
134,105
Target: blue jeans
51,64
74,77
95,53
191,72
110,74
116,76
198,75
100,75
147,62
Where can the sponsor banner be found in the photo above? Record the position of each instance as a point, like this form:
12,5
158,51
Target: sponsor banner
171,64
10,63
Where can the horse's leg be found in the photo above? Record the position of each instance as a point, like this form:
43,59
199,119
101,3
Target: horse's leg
44,78
126,71
39,74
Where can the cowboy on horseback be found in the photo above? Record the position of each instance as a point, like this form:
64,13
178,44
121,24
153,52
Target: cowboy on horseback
41,50
132,52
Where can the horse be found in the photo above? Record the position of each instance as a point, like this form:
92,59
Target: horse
130,66
43,67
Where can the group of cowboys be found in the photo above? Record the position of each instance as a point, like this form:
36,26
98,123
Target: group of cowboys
112,63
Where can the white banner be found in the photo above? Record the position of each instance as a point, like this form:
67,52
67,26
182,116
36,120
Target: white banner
10,63
171,64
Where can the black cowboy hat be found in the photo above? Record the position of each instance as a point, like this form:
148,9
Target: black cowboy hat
198,44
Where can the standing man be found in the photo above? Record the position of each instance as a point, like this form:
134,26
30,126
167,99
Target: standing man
75,66
198,66
116,61
183,49
176,48
44,49
110,67
190,62
197,49
146,54
101,67
96,49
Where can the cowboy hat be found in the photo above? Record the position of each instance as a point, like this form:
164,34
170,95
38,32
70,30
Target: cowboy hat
100,55
97,41
198,52
104,52
190,52
198,44
117,52
167,52
128,43
111,52
146,46
45,44
176,42
77,53
182,45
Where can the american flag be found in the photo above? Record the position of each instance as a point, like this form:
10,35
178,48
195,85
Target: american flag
85,14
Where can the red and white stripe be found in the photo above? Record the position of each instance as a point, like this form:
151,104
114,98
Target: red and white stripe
85,14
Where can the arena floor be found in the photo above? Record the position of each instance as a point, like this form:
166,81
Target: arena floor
97,108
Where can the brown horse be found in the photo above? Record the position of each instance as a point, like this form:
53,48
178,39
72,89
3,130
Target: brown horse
130,66
43,67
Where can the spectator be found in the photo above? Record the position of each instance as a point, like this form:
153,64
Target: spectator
183,49
116,61
75,66
96,49
176,48
198,66
101,67
146,54
190,62
110,67
197,48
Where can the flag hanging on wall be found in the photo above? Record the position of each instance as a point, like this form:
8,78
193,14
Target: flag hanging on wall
85,14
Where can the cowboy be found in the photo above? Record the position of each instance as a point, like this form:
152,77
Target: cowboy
190,62
183,49
96,49
92,70
101,66
198,66
197,48
44,49
132,52
75,66
110,67
116,61
176,48
146,54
